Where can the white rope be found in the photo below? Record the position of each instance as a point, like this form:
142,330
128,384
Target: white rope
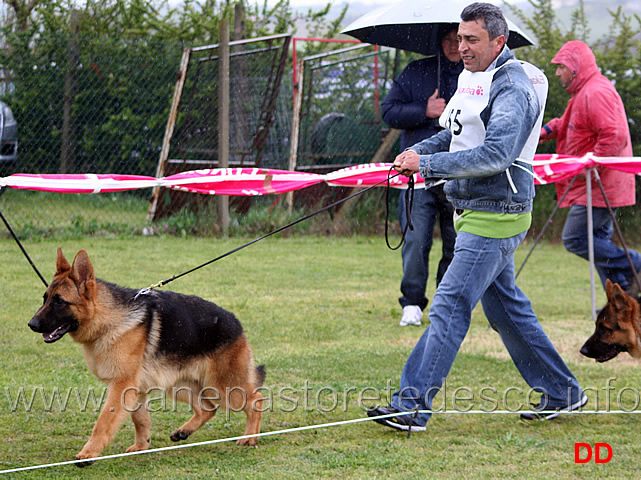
533,173
206,442
300,429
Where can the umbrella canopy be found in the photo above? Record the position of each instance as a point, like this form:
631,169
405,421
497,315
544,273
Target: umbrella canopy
414,25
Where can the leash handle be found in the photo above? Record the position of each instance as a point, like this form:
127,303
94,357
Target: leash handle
409,203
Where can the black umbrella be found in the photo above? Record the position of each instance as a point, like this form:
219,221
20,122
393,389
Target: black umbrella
414,25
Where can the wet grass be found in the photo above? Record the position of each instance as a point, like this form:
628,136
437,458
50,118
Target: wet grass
321,313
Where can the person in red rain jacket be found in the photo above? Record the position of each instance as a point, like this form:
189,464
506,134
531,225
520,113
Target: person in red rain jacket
594,121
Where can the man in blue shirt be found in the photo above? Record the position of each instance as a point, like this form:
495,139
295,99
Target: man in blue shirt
492,125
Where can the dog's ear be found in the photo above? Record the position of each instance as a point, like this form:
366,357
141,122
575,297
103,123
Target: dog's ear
83,274
62,265
608,288
616,296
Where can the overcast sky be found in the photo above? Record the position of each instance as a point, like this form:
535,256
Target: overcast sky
307,3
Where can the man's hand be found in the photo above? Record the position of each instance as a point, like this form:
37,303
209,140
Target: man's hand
544,136
435,106
407,163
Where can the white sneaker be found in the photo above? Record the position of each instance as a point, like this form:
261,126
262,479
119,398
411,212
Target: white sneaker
411,316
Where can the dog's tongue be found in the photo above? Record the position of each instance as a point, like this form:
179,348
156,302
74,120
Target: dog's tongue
56,334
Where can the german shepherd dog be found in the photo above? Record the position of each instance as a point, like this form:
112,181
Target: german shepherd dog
618,327
181,344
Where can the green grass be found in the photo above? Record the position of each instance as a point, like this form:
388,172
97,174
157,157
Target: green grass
321,313
34,214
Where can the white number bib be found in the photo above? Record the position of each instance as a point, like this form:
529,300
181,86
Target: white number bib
462,115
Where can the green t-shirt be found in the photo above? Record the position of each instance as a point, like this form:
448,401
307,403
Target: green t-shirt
492,225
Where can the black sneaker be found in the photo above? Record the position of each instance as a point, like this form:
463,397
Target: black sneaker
401,422
542,414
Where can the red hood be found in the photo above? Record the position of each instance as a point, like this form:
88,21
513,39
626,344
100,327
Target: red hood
578,57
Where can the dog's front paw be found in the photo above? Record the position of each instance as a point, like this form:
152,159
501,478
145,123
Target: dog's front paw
139,447
178,435
82,456
247,442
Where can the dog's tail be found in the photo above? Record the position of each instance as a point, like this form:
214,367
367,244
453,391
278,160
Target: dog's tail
260,375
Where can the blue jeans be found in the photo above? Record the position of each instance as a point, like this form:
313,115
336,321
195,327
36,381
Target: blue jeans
483,269
610,260
427,206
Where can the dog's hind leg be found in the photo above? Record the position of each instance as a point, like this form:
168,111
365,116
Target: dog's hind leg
253,410
241,381
142,423
203,410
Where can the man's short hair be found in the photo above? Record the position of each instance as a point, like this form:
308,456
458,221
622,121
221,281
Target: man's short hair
495,22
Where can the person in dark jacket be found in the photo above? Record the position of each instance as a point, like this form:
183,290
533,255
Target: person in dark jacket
414,104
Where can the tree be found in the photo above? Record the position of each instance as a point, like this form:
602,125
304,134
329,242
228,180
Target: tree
548,38
119,67
618,55
22,10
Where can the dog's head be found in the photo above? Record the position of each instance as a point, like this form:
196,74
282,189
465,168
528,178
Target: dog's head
617,327
68,301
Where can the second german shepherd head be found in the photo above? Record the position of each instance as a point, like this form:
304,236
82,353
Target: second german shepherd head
66,299
618,327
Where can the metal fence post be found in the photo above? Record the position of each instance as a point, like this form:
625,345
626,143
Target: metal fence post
588,185
223,118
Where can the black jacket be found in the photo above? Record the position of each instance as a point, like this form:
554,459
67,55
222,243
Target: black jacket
405,104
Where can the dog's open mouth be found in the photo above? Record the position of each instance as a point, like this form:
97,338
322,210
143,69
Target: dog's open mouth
57,334
610,354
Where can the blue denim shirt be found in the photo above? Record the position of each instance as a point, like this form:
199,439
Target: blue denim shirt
477,178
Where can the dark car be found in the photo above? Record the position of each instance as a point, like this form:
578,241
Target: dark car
8,140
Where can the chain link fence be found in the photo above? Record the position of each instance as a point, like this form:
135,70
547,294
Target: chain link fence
101,105
86,104
340,122
338,116
256,71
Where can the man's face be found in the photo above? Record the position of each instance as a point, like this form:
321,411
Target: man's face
450,46
475,46
565,75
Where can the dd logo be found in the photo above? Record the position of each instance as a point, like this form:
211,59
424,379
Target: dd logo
586,450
